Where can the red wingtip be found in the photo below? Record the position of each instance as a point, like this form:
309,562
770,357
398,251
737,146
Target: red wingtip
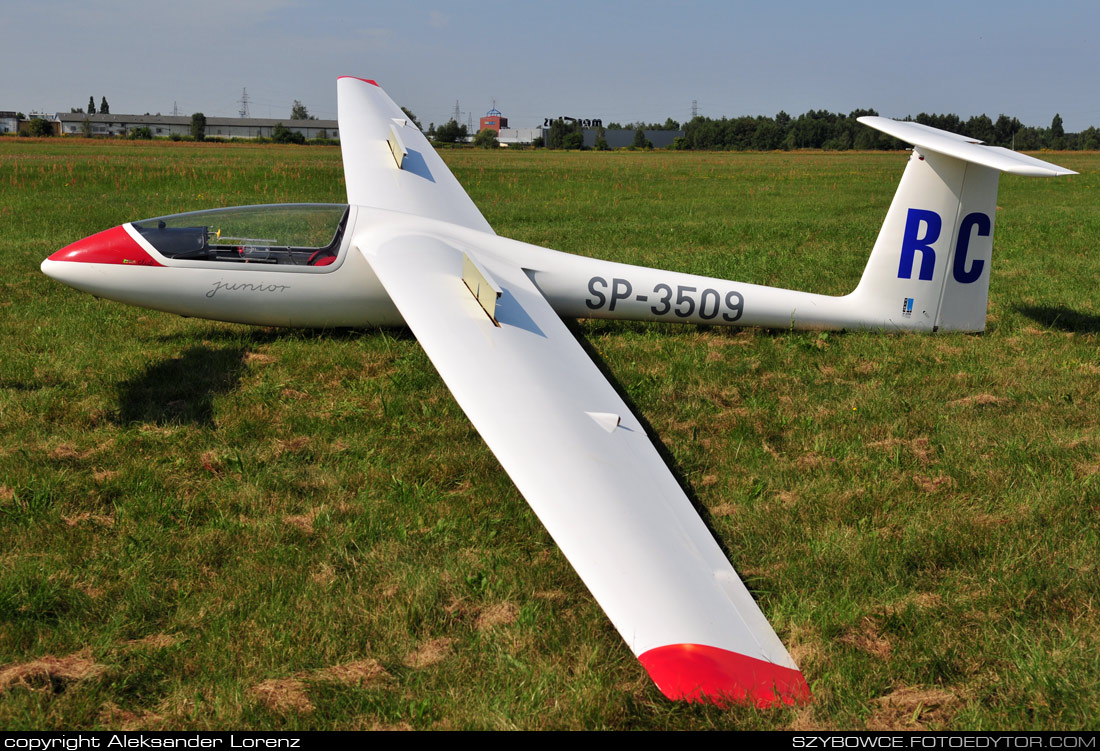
698,673
110,246
357,78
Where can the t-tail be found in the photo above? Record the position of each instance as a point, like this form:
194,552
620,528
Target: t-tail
929,269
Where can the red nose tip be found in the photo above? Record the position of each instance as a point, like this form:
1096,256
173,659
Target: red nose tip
110,246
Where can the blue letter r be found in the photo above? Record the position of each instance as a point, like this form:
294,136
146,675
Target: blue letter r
911,242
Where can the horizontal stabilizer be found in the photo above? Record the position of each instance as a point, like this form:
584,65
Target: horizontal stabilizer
967,149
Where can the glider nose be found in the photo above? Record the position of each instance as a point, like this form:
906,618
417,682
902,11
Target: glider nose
113,246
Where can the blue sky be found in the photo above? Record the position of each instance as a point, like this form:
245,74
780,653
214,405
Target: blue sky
625,61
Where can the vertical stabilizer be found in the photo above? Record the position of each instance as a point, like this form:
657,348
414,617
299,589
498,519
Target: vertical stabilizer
943,207
929,269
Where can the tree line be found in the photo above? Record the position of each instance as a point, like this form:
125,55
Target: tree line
821,129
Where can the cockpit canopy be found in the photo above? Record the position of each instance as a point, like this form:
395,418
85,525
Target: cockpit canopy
298,234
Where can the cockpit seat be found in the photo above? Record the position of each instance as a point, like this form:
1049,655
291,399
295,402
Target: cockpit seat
322,257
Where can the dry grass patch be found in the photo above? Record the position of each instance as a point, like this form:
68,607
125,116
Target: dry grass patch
811,460
211,462
154,641
324,575
286,695
554,595
803,647
75,519
164,431
932,484
89,589
921,448
283,695
290,445
912,708
429,653
304,522
787,498
117,718
867,637
359,673
804,720
978,400
1088,468
65,451
920,600
50,673
375,726
497,615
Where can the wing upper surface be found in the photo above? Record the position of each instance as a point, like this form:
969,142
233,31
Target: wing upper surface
583,462
421,185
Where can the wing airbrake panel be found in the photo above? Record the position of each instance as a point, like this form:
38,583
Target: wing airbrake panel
585,465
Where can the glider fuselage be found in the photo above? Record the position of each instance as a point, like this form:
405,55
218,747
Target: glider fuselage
122,264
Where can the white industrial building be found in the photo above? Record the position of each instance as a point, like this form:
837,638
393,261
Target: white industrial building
72,124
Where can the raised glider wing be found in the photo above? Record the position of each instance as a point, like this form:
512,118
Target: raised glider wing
411,248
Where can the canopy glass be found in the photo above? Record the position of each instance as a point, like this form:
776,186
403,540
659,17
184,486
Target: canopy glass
302,234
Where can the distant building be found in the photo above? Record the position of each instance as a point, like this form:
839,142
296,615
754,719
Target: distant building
9,122
493,120
72,124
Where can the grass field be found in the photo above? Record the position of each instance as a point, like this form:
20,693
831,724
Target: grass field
206,525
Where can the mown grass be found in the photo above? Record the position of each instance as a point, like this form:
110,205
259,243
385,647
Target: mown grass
210,526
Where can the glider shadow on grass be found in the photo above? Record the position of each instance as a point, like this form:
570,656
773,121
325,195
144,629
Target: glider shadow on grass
1062,318
181,390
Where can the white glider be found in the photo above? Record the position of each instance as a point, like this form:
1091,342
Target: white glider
411,248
